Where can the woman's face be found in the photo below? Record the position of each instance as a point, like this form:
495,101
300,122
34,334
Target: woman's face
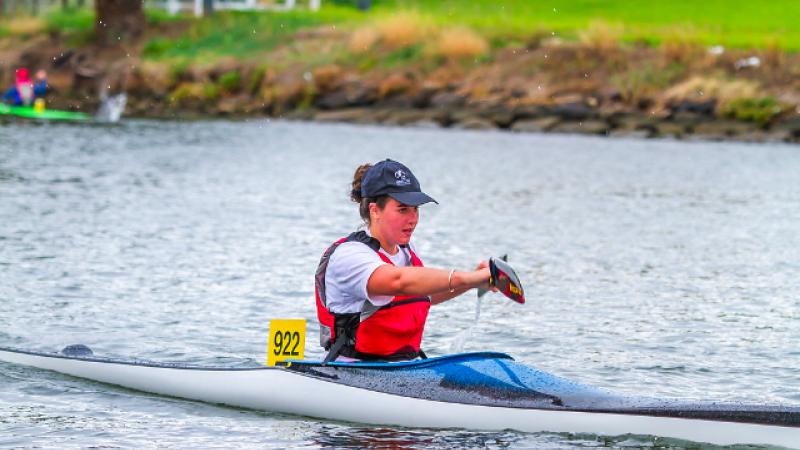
395,222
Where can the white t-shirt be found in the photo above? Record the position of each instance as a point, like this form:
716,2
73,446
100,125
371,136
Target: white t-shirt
348,272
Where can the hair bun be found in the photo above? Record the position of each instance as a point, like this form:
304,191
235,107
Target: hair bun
355,192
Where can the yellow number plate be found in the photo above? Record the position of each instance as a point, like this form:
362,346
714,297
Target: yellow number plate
287,340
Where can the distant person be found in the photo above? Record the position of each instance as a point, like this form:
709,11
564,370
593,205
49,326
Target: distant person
25,91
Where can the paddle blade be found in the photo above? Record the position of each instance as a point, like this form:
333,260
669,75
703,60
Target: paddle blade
505,280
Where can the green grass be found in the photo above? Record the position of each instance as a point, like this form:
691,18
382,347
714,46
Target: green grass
71,20
242,34
82,20
731,23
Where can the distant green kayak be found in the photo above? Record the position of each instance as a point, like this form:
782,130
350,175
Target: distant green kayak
29,112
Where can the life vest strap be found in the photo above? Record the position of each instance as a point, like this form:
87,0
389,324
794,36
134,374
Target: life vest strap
344,330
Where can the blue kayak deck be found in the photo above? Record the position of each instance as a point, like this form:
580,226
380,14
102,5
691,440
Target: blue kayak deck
495,379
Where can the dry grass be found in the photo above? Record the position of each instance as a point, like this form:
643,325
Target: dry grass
700,88
460,43
402,30
601,35
25,26
394,84
773,55
327,78
363,39
681,45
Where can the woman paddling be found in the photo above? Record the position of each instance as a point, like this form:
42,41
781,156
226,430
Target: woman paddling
373,293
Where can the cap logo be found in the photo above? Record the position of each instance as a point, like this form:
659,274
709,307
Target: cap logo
401,179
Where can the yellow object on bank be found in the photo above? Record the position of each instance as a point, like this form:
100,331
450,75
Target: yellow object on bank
38,105
287,340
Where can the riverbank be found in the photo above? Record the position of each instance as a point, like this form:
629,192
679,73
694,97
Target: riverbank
404,70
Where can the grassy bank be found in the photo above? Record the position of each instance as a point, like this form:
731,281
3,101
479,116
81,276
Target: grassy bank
731,23
522,65
742,24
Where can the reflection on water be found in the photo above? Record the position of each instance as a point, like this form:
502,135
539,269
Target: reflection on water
333,436
651,267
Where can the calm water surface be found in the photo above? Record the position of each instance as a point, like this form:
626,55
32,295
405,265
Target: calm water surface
651,267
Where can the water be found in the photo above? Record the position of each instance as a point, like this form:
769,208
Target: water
650,267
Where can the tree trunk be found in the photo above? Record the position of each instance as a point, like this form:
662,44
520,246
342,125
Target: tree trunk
208,8
118,21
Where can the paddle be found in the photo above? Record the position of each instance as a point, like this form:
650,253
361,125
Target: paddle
505,279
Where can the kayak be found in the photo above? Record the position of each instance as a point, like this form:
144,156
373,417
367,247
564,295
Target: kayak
477,391
29,112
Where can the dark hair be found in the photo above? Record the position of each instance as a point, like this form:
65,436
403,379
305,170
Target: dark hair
363,202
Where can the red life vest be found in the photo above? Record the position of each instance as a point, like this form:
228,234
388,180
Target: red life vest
389,332
24,86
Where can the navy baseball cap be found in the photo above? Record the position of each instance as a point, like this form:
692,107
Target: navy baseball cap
395,180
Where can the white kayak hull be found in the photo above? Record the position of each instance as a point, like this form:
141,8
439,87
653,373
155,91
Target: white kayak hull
284,391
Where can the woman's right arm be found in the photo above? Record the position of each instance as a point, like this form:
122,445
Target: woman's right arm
391,280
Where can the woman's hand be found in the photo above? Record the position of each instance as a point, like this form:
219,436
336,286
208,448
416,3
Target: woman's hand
485,285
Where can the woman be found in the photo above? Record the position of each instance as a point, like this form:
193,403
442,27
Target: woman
373,293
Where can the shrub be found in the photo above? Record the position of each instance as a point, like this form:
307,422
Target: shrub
156,47
646,81
706,88
177,72
230,81
255,79
210,91
186,91
760,111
